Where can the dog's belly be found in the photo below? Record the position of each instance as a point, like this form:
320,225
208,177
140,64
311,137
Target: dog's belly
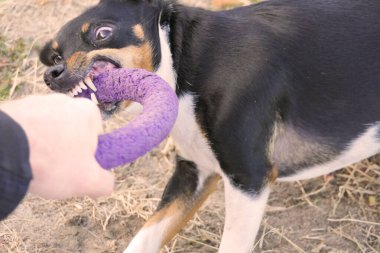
299,156
364,146
292,149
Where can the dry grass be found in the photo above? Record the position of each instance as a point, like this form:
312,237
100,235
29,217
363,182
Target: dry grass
341,215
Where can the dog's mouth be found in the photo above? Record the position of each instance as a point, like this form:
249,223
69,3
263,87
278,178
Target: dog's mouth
86,87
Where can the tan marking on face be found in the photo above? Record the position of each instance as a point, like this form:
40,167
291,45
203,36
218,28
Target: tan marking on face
128,57
55,45
273,175
125,104
85,27
139,31
77,61
182,209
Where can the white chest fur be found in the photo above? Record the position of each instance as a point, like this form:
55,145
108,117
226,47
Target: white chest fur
190,141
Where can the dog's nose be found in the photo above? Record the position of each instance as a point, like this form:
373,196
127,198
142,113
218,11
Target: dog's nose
53,74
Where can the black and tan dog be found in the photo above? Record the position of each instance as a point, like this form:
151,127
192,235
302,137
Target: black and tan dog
282,90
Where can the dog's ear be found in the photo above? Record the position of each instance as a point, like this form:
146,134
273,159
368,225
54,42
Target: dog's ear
157,2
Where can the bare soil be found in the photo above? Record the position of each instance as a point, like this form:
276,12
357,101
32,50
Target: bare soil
338,216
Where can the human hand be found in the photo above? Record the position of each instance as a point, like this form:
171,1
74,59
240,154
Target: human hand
63,134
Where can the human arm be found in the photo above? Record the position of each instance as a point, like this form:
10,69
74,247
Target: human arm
62,135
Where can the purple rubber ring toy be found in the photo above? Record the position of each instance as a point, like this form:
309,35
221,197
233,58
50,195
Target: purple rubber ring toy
146,131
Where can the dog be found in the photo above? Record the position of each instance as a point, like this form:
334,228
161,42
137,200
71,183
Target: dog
281,90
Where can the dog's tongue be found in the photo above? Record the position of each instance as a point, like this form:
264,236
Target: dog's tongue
151,127
100,67
108,107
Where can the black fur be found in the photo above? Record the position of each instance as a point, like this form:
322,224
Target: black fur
312,64
309,65
182,184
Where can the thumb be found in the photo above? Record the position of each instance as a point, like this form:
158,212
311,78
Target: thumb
100,182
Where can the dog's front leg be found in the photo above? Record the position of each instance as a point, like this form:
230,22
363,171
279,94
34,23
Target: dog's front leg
244,212
186,191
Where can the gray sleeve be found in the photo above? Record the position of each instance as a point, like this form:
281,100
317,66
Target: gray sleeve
15,170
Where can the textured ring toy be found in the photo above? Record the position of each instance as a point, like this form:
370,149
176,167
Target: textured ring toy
145,132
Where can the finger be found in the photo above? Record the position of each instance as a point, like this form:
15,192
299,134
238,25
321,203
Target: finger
93,112
99,182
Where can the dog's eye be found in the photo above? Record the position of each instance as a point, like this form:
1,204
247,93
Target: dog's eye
103,33
57,59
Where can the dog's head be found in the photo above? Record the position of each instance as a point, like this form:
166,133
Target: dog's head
112,34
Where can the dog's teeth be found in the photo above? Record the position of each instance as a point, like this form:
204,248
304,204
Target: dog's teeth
90,84
74,92
70,94
78,89
94,99
82,85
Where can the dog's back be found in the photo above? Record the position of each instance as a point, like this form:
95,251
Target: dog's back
312,67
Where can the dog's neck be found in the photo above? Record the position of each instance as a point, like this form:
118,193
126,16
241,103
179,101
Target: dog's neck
182,22
179,25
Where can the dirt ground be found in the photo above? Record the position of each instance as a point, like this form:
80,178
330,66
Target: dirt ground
338,216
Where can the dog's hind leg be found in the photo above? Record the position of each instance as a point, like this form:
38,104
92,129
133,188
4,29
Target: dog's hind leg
186,191
244,212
